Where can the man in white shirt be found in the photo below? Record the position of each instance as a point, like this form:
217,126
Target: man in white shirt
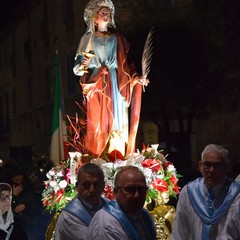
207,204
125,218
75,217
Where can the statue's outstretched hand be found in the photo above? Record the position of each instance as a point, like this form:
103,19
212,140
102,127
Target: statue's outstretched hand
143,81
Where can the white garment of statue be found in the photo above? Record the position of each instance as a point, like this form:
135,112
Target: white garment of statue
7,225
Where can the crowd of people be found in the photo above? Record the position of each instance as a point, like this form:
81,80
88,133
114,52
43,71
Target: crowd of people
20,200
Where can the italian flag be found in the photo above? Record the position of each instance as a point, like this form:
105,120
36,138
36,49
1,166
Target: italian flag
58,149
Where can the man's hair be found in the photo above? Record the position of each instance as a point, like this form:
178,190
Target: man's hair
5,187
92,169
223,152
117,178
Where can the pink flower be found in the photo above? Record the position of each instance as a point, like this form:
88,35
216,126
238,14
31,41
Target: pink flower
160,185
151,163
68,174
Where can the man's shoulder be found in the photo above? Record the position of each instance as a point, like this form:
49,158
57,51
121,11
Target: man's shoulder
67,216
102,218
190,187
102,213
75,202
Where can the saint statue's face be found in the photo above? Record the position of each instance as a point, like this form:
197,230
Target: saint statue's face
103,17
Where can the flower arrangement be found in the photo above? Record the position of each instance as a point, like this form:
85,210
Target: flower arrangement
60,186
161,176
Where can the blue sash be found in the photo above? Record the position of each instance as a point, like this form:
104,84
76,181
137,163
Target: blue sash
76,208
199,204
114,209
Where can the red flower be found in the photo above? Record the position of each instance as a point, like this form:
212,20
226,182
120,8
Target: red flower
151,163
176,189
108,192
160,185
59,194
174,180
168,163
114,155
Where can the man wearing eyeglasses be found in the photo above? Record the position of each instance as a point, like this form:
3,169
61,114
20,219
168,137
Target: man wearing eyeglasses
208,204
124,218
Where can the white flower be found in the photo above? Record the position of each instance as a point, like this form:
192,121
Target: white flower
171,168
53,184
78,155
148,174
51,173
63,184
60,173
135,156
108,169
119,164
98,161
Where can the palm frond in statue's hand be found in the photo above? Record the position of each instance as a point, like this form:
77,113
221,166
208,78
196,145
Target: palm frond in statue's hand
147,56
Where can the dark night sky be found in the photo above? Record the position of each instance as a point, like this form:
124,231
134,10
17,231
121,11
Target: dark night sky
8,11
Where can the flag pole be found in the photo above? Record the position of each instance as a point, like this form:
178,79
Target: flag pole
59,130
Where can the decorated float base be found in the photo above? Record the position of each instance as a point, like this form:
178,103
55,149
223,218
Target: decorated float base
161,178
162,215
